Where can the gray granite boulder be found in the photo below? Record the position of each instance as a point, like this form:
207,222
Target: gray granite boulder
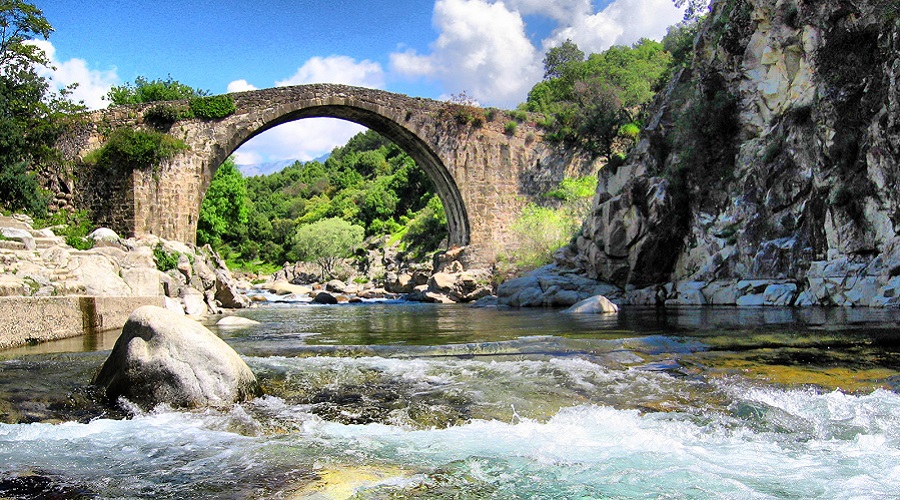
162,357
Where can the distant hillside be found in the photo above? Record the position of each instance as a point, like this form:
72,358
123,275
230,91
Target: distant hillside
272,166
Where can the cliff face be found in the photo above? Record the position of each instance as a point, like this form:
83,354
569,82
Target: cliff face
770,173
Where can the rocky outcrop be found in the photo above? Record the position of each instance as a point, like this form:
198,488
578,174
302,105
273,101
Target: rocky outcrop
768,174
551,286
37,263
162,357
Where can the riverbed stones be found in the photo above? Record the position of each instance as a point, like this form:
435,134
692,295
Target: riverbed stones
165,358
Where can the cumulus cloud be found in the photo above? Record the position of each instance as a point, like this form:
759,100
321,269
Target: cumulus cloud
93,85
622,22
311,138
483,48
240,86
302,140
337,69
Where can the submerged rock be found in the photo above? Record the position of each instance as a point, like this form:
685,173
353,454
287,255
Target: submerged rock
165,358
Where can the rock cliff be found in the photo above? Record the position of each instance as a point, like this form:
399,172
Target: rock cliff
768,174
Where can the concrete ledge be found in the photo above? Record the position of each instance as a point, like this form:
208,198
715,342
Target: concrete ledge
26,320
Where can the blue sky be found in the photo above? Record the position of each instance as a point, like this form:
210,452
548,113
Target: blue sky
490,49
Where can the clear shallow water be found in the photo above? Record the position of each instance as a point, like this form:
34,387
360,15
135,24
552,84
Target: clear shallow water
421,401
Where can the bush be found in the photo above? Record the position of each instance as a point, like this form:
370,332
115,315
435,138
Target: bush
540,231
511,128
19,189
165,261
71,226
213,107
519,115
164,115
137,149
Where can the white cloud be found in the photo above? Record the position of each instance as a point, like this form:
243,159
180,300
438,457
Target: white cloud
337,69
560,10
240,86
310,138
302,140
483,48
92,84
622,22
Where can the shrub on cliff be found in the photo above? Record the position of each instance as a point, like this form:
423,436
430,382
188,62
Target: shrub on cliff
136,149
213,107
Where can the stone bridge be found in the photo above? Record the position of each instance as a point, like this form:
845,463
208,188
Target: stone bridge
483,169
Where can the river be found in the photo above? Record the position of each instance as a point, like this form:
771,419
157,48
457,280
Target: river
406,400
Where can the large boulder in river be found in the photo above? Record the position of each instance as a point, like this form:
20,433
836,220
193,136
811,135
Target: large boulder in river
162,357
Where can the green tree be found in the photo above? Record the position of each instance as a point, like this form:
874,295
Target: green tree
225,212
31,115
587,102
561,60
143,90
326,242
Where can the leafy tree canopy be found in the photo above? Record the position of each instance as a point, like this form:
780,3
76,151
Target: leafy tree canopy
562,59
225,209
588,101
143,90
327,241
31,115
369,182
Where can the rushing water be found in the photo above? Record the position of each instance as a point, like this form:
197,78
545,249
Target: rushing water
422,401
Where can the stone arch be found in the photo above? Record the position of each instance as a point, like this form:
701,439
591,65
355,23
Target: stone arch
368,115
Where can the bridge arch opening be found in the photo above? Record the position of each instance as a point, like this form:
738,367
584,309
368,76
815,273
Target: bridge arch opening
392,129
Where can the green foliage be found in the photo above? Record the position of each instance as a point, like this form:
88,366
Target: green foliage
519,115
213,107
511,127
693,9
369,182
143,90
587,102
224,212
326,242
539,231
73,226
574,188
426,230
31,115
562,60
136,149
679,42
165,260
165,114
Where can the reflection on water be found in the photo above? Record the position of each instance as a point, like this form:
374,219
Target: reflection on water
425,401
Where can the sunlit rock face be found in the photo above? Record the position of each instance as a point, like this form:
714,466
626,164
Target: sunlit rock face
804,199
162,357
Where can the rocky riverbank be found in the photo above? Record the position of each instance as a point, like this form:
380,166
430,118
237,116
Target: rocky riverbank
55,291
